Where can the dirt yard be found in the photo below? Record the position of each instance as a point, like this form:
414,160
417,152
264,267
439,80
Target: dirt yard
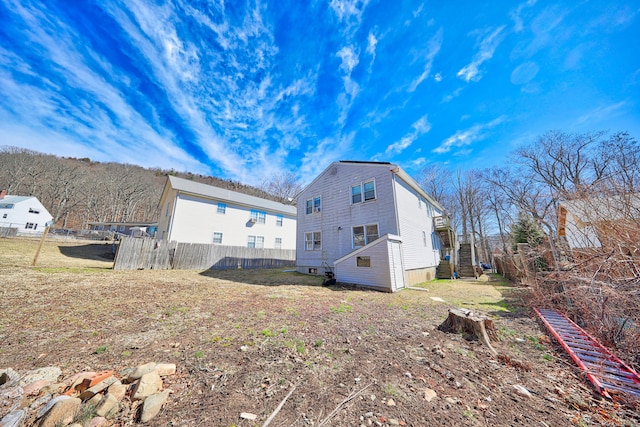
242,340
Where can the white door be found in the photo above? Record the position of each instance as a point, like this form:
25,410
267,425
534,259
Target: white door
397,268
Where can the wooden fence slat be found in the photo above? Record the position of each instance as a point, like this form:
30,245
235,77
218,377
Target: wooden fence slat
136,253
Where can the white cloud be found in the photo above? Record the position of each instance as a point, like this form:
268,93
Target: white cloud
463,138
602,113
328,150
524,73
372,41
485,52
433,47
349,11
420,127
452,95
437,77
518,24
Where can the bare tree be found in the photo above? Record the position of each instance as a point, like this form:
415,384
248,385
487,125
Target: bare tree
283,186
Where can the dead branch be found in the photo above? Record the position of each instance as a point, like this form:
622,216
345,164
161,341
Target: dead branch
279,407
335,411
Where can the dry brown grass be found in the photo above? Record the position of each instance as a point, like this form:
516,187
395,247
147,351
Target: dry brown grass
242,338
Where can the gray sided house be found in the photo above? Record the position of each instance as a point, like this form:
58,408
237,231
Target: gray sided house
370,224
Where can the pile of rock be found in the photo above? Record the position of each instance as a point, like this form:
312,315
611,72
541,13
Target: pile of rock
38,398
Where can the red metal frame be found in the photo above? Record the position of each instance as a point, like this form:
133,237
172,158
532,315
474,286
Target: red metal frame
574,332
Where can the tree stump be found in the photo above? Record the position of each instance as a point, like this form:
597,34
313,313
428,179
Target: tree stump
461,320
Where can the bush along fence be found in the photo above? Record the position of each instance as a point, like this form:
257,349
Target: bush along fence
148,254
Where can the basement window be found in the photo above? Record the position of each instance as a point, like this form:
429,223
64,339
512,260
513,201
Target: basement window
363,261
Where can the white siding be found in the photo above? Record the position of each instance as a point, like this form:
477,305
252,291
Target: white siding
338,215
195,219
581,237
415,218
25,210
379,275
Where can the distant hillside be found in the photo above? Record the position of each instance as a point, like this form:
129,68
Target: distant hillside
76,191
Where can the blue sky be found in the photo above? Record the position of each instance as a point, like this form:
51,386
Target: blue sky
242,90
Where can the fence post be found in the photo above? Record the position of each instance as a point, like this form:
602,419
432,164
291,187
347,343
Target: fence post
44,236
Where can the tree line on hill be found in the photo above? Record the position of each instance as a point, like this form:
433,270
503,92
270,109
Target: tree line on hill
76,191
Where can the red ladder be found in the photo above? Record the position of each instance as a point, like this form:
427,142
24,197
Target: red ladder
608,374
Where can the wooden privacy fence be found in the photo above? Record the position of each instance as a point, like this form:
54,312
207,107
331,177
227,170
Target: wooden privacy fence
148,254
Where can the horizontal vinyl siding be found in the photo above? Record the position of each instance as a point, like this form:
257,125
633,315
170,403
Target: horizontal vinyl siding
334,188
413,221
195,220
378,275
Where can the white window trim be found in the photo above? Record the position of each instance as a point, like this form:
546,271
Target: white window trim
366,237
362,192
312,240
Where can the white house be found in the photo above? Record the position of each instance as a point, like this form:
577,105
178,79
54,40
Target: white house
24,213
589,223
193,212
370,224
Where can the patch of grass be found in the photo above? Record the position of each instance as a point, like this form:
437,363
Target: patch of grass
173,310
198,354
536,343
547,357
74,270
391,390
102,349
342,308
300,347
126,353
261,314
467,353
293,311
317,343
507,333
283,330
267,333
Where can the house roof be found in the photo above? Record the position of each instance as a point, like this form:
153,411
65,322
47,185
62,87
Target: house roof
212,192
15,199
368,246
125,223
397,170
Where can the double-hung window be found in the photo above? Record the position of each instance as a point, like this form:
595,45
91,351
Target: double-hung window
258,216
217,238
363,192
278,244
364,234
313,205
279,219
255,242
222,208
313,241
